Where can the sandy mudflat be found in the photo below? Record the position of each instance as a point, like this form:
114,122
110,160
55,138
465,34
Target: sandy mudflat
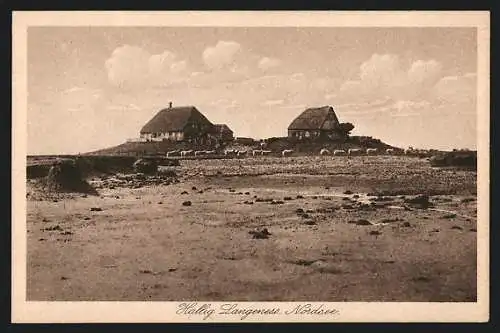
145,245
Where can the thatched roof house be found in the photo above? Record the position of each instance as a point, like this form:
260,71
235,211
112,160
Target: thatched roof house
320,122
177,124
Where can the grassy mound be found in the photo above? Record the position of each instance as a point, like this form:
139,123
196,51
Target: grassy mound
466,159
91,165
146,166
276,144
65,176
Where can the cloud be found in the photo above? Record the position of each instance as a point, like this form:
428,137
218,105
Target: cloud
380,69
418,99
384,76
225,103
77,93
424,71
123,107
218,78
131,66
293,89
165,65
178,67
162,61
385,108
456,89
266,63
221,55
384,102
403,105
273,102
128,65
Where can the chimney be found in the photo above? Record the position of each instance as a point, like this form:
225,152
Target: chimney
169,105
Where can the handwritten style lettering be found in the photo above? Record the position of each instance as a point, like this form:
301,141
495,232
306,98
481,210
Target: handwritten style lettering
233,309
204,310
307,309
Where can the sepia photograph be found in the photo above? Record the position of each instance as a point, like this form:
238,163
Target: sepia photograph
237,169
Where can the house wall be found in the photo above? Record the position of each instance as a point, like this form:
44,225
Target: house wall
197,127
313,134
304,134
173,136
226,136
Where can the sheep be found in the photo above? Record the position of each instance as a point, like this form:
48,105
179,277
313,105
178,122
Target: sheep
241,152
256,152
230,152
286,152
353,151
186,152
338,152
324,151
371,151
173,153
408,151
389,151
423,153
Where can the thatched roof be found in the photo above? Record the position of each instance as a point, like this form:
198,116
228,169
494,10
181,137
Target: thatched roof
221,128
322,118
174,119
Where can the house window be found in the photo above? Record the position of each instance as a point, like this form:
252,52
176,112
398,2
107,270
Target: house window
307,134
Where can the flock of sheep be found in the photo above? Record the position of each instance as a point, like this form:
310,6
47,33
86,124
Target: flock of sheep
357,151
288,152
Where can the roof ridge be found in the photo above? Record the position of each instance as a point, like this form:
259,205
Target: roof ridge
313,118
180,107
171,119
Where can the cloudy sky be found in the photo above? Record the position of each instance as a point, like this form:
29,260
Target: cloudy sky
93,87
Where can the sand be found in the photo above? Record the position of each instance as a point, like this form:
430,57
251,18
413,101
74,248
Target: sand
144,244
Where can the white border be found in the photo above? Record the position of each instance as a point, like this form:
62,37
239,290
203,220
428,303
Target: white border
125,312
